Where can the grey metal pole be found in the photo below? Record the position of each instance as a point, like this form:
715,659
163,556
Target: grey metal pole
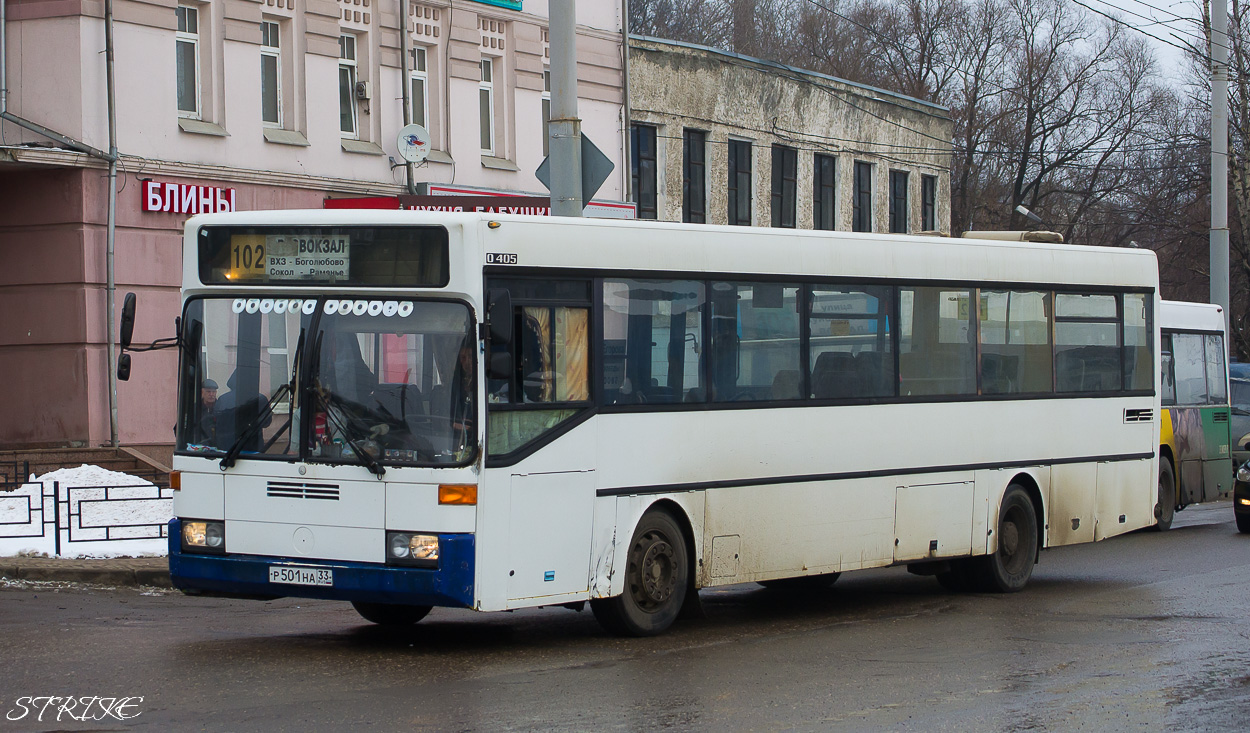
565,127
405,83
112,220
1219,156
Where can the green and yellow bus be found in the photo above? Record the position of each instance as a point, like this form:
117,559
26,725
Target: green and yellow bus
1195,462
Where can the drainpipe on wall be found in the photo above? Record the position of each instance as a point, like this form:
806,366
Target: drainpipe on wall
110,156
626,170
112,220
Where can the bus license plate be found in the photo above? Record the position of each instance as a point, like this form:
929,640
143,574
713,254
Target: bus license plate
300,575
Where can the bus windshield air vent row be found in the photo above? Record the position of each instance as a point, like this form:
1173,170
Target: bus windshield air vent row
1139,415
293,490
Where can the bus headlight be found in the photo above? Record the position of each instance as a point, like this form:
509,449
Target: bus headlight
1243,473
410,548
203,536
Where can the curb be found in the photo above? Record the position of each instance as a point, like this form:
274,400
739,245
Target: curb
77,573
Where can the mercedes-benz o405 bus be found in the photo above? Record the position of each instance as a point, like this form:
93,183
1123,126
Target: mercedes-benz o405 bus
491,412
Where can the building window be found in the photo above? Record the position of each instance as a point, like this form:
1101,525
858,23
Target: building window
187,52
861,214
419,83
486,106
270,75
546,112
898,202
928,203
642,169
785,182
740,183
824,188
347,86
694,177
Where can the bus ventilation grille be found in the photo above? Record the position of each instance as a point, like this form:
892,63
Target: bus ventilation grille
1219,417
1139,415
293,490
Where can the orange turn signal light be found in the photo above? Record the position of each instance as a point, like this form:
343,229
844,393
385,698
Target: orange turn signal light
457,493
175,480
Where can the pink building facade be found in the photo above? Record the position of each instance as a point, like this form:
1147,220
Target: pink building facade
270,104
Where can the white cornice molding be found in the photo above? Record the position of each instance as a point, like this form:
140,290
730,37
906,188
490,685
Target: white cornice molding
146,167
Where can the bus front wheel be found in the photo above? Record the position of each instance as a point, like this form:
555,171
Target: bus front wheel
657,576
391,614
1167,495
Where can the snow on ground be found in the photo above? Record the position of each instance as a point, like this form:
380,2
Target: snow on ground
103,514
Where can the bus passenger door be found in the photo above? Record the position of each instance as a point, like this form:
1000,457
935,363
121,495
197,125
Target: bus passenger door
550,526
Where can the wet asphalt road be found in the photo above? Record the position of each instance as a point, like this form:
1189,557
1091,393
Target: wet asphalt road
1144,632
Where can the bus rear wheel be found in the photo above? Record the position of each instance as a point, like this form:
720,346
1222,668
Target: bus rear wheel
1167,495
657,577
803,583
391,614
1008,568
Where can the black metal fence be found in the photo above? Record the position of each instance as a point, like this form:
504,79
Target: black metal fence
13,474
83,514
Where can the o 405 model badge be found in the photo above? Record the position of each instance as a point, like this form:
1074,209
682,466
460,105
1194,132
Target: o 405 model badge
500,258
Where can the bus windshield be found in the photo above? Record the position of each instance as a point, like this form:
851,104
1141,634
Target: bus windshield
356,381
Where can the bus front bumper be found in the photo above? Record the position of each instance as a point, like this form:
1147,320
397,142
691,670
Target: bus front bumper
247,576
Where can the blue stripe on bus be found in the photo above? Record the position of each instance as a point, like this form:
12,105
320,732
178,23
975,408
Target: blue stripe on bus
248,575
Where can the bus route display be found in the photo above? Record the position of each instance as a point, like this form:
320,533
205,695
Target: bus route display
347,255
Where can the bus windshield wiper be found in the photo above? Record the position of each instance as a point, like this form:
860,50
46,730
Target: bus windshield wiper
252,428
261,419
365,458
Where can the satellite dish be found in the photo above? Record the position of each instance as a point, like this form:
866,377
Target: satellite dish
414,143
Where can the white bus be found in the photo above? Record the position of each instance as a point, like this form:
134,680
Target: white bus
492,412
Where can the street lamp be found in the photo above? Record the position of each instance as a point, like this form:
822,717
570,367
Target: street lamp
1029,215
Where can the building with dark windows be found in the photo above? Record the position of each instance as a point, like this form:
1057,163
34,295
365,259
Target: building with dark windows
720,138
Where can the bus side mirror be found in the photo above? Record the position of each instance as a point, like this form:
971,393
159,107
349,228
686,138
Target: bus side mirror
123,367
128,323
499,329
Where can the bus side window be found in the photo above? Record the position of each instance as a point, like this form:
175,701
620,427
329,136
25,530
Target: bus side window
1217,381
1087,343
936,350
1015,342
755,342
850,341
653,341
551,356
1138,361
1189,363
1167,376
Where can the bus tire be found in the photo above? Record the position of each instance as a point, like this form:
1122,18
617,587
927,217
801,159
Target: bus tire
657,577
1008,568
1243,523
1167,496
391,614
803,583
